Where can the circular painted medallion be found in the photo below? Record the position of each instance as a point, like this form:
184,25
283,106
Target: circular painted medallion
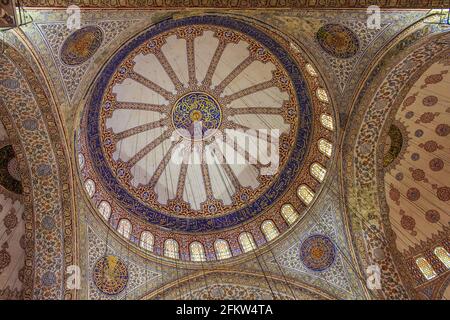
317,252
196,115
110,275
81,45
338,40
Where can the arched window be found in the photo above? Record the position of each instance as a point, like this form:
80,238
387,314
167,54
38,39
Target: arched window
443,255
146,241
124,228
171,249
222,249
310,69
89,185
327,121
318,171
197,252
305,194
105,209
322,95
325,147
81,160
289,214
425,268
247,242
269,230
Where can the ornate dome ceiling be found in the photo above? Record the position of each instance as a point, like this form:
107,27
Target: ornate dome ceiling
204,137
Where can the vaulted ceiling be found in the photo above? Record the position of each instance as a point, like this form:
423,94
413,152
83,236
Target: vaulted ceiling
91,118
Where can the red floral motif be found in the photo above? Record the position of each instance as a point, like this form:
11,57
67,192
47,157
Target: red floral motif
5,257
408,223
427,117
394,194
443,193
409,101
443,129
429,101
436,164
413,194
430,146
10,221
432,216
417,174
434,78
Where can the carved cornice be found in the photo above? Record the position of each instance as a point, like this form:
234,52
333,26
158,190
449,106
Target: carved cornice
239,4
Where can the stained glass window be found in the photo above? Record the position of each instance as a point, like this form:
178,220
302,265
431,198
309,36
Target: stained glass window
322,95
269,230
318,171
222,249
443,255
425,268
81,160
124,228
105,209
289,213
305,194
89,185
171,249
311,70
325,147
197,252
247,242
327,121
147,241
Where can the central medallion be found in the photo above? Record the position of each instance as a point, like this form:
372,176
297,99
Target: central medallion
196,115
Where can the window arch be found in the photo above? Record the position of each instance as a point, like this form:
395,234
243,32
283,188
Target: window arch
197,252
443,255
289,213
222,249
327,121
325,147
318,171
147,241
89,185
322,95
310,69
305,194
247,242
171,249
269,230
81,160
105,209
124,228
425,268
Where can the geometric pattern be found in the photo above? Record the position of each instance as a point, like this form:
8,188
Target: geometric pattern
55,34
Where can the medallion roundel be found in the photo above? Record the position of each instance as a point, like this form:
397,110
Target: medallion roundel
338,40
196,110
110,275
317,252
198,125
81,45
